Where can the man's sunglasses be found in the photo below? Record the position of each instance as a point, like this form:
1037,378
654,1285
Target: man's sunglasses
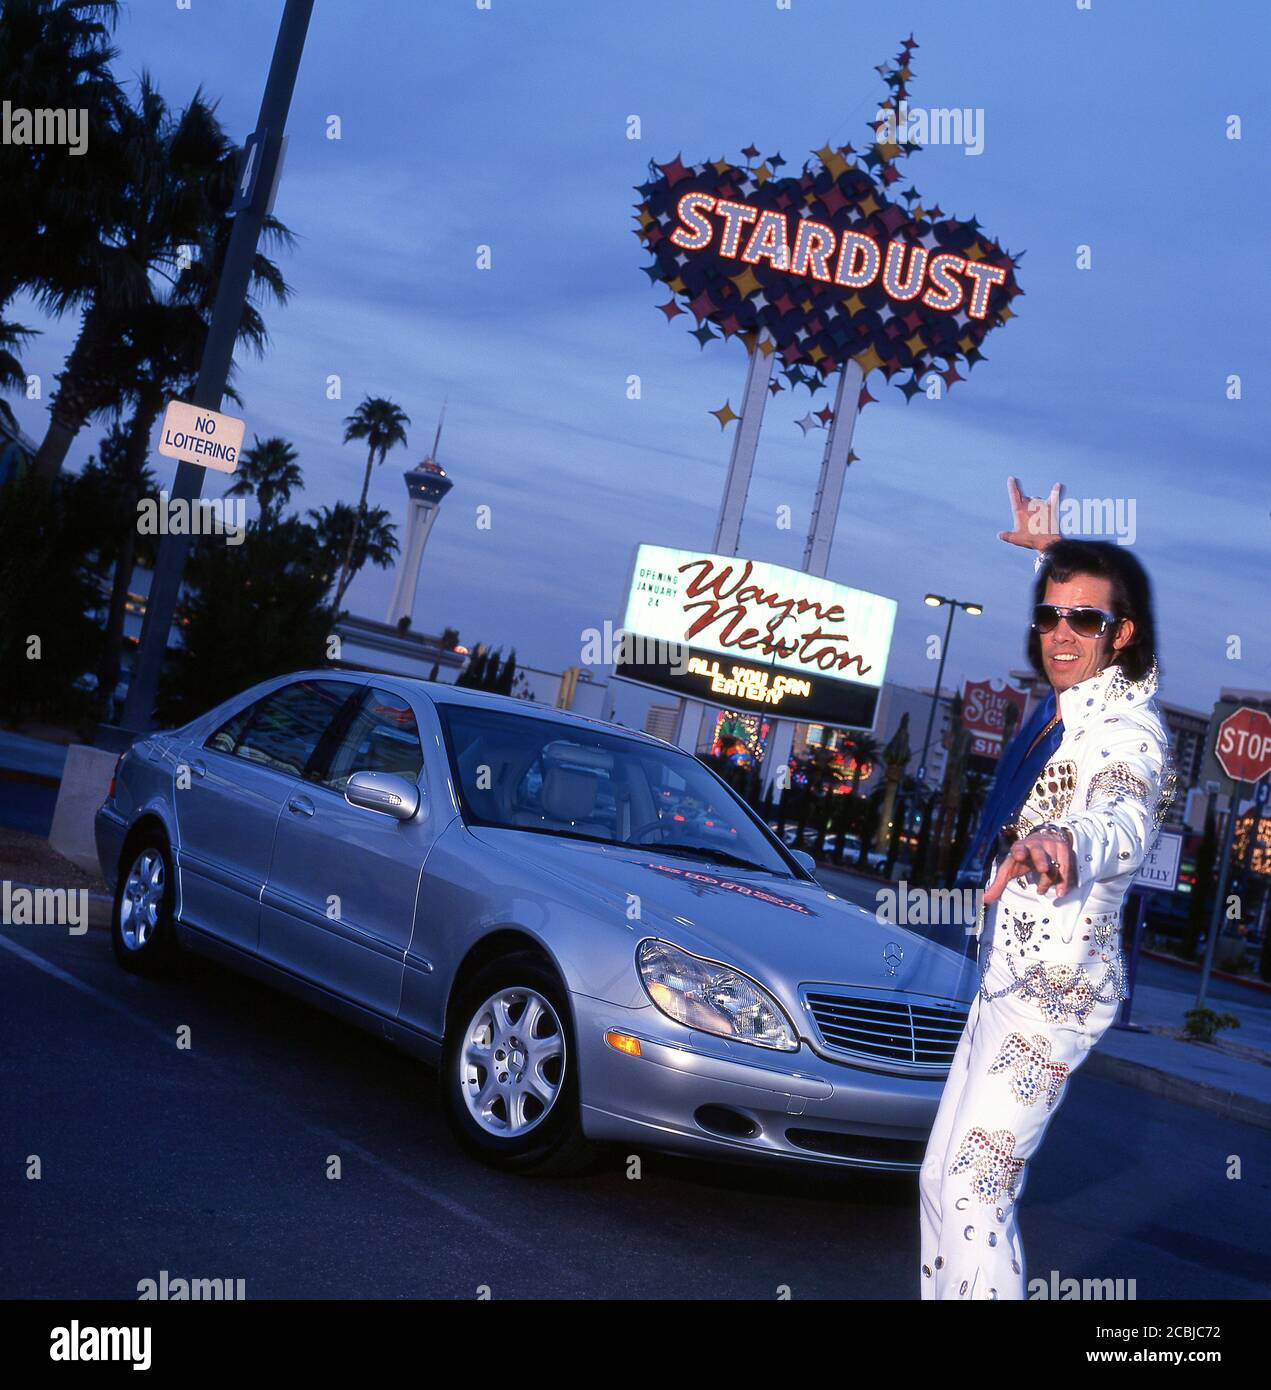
1085,622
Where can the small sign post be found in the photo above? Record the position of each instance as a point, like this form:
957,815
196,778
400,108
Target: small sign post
1159,872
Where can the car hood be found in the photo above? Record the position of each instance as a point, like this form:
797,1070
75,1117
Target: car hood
781,930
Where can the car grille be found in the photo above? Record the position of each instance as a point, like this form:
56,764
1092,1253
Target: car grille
922,1035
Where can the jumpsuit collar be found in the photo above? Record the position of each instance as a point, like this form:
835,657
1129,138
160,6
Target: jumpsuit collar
1110,686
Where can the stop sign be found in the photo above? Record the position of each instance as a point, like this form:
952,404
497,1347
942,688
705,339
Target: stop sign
1243,745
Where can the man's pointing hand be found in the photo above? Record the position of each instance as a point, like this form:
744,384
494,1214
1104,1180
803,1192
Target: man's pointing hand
1046,853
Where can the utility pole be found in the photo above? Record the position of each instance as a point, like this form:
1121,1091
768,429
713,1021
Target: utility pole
252,199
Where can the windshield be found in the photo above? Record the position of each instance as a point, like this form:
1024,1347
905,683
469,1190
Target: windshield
522,773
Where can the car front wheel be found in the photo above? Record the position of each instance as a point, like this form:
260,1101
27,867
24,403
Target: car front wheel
510,1072
141,924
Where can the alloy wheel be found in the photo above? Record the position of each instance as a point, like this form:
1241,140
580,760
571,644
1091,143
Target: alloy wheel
512,1062
142,900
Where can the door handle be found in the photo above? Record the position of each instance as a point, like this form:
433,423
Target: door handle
300,806
198,769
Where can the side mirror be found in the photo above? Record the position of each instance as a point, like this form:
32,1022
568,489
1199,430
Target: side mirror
804,860
384,792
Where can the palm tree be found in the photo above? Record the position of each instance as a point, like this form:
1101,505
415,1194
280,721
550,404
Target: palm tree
171,189
55,54
160,348
864,750
13,337
333,527
269,471
382,424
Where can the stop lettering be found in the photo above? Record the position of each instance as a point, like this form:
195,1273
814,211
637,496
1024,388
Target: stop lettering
1243,745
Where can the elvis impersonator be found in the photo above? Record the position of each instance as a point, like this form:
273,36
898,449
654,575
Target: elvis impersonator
1075,806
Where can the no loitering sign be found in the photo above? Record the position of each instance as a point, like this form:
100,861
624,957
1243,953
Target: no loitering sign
200,436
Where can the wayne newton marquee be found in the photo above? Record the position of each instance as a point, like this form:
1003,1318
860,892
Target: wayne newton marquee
748,635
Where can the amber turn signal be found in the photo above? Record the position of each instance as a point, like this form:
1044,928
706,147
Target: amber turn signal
623,1042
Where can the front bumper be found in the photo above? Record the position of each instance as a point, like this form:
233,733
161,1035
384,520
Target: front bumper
690,1092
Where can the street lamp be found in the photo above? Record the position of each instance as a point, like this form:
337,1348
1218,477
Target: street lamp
937,601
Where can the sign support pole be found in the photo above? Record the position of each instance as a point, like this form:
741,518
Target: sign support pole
218,352
829,492
732,508
1220,891
825,509
1123,1018
745,445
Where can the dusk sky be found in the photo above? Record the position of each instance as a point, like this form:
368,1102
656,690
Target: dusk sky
508,127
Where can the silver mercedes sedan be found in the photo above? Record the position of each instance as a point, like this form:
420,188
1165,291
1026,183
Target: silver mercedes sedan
588,932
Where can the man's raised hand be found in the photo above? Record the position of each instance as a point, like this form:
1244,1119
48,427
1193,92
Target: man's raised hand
1035,519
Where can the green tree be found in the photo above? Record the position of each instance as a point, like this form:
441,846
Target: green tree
170,188
255,610
473,674
56,54
269,472
13,337
503,685
382,424
48,639
864,749
162,344
375,543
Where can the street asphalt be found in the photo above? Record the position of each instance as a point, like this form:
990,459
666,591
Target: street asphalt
212,1162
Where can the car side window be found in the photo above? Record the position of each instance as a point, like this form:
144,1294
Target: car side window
380,736
285,726
225,739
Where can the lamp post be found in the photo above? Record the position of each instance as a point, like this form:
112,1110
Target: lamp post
938,601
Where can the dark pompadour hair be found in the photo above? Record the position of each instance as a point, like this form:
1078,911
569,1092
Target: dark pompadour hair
1131,597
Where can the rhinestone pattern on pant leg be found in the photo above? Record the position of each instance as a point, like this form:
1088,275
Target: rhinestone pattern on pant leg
1018,1046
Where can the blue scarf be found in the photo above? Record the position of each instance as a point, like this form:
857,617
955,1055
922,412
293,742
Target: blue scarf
1016,774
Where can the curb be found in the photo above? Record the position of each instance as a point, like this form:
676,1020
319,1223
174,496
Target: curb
1231,1105
39,779
1214,974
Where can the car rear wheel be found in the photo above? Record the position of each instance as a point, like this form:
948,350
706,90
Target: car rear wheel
510,1072
141,923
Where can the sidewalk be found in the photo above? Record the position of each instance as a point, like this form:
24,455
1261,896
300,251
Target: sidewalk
28,861
1230,1076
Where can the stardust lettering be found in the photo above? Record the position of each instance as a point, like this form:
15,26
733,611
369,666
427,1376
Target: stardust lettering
851,259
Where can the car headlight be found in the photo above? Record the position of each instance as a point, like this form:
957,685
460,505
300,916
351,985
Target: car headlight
713,997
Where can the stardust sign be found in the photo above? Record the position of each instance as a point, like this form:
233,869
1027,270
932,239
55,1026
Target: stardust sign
841,261
736,632
803,246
